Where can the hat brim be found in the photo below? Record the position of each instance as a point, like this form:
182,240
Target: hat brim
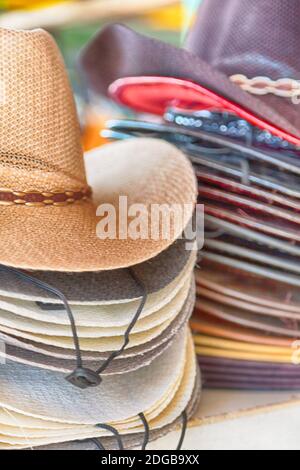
166,412
268,274
255,221
234,188
223,329
109,318
238,317
236,369
156,94
227,380
260,207
255,289
249,307
143,355
112,337
66,366
65,238
131,353
131,441
278,353
251,367
165,75
93,289
243,355
29,390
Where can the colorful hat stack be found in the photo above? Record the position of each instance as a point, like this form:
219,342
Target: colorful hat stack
96,348
230,100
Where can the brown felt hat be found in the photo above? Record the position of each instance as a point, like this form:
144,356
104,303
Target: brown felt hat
240,56
47,208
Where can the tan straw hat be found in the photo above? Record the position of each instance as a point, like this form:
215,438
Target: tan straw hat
47,215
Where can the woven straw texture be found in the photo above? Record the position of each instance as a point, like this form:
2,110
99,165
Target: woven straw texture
117,315
14,438
64,356
93,289
135,440
46,395
151,326
136,357
40,137
168,313
41,152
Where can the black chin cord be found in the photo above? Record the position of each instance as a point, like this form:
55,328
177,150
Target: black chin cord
147,431
83,377
131,325
98,444
87,379
184,419
118,437
146,441
113,430
52,290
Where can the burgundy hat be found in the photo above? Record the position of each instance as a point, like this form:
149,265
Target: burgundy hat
241,56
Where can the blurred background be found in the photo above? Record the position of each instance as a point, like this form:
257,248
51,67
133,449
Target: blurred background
73,23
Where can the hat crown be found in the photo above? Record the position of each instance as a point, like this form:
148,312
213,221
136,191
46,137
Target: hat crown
40,146
254,38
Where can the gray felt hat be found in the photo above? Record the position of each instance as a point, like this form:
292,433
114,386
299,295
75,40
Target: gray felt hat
96,288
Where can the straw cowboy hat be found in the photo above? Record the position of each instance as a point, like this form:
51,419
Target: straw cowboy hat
47,212
124,441
173,393
235,47
142,390
133,441
51,358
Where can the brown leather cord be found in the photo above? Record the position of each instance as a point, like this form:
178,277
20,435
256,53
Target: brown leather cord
83,377
10,197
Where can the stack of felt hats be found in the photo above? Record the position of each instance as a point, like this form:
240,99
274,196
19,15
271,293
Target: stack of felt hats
93,323
231,102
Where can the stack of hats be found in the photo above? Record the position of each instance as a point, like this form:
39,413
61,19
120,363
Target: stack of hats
245,149
93,323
